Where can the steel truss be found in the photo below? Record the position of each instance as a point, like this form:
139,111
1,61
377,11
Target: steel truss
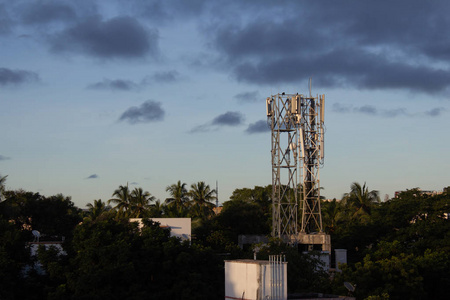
296,123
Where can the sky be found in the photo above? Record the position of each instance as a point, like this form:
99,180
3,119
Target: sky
98,94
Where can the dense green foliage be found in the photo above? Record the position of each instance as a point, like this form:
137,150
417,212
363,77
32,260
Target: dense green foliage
397,249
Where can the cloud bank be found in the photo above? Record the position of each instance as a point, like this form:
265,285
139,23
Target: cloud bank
119,37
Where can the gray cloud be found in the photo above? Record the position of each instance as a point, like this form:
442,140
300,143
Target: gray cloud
5,21
165,77
435,112
379,50
127,85
391,113
247,97
16,77
149,111
120,37
339,108
367,109
230,118
116,84
388,113
163,12
201,128
2,157
258,127
93,176
41,12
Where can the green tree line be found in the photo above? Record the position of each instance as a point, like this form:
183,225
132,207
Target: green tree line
397,248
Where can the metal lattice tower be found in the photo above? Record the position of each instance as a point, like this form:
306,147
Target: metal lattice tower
311,141
296,123
285,134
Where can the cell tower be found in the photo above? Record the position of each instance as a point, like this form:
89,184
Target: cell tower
296,123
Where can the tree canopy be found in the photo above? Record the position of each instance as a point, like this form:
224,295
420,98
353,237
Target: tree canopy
397,249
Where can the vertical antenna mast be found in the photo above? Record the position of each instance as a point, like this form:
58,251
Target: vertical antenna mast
310,86
217,193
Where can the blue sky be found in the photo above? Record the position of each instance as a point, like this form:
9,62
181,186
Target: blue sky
95,94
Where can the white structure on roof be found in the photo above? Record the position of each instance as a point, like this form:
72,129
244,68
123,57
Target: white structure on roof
179,227
256,279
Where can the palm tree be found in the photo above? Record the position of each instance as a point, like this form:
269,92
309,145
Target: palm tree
96,209
360,200
331,213
122,198
156,210
140,202
201,196
179,195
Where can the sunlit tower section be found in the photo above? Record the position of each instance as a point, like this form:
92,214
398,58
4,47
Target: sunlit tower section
284,126
297,127
311,144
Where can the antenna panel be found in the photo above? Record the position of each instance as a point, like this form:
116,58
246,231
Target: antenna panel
269,106
322,108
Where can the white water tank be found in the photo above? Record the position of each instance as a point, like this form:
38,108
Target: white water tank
255,279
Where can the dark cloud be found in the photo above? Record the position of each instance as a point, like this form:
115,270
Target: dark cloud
435,112
41,12
149,111
344,68
2,157
389,113
134,183
16,77
117,84
248,97
5,21
395,112
258,127
93,176
201,128
127,85
340,108
360,45
230,118
165,77
367,109
163,12
120,37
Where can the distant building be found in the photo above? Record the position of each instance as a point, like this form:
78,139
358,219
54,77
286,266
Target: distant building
428,193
